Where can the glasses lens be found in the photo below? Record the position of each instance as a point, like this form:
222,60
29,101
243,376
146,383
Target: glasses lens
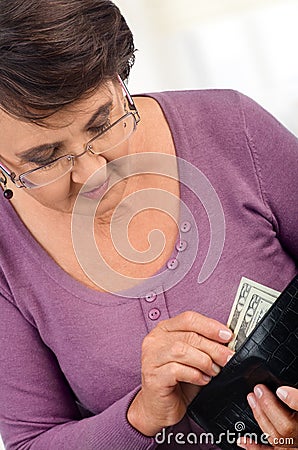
114,136
119,132
47,174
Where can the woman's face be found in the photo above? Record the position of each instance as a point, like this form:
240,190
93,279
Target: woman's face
25,146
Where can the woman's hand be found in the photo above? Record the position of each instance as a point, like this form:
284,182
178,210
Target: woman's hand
178,356
277,421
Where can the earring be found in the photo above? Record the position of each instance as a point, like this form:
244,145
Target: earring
7,193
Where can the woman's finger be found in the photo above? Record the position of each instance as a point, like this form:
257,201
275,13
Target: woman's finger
264,423
194,350
195,322
218,352
184,353
289,396
282,419
171,374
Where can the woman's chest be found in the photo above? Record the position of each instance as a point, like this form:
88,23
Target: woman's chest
133,245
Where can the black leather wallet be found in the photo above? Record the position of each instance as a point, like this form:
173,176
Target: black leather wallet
268,356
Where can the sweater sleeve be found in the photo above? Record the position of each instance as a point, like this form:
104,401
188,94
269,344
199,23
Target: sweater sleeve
274,151
38,409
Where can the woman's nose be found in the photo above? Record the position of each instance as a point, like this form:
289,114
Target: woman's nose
87,165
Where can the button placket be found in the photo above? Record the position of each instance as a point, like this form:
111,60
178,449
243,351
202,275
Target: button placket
172,264
181,245
153,302
154,314
185,226
154,308
150,296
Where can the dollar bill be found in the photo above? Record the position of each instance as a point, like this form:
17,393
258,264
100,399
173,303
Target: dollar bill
252,301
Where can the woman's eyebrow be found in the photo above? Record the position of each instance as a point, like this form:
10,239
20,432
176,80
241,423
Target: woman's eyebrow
102,112
38,150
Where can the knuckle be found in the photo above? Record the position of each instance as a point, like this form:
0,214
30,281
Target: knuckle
201,380
160,326
173,370
189,317
148,378
195,376
193,338
147,342
287,429
198,378
145,365
206,362
219,351
179,349
199,341
222,351
157,330
149,346
266,403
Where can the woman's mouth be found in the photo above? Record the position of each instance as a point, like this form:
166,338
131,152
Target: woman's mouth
97,192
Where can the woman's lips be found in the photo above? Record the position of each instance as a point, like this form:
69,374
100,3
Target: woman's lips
97,192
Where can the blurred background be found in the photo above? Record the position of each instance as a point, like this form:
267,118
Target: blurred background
247,45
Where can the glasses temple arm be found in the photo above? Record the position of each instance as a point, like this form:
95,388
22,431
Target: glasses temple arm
6,173
129,97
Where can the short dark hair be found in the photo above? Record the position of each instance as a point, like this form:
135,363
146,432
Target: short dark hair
54,52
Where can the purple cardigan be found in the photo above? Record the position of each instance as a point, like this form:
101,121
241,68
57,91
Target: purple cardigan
63,343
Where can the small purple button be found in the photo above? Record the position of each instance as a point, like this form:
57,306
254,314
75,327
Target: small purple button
172,264
185,226
154,314
181,246
150,297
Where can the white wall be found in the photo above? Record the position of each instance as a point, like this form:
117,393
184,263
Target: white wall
195,44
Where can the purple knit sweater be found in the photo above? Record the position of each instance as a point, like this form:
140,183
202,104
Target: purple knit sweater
63,343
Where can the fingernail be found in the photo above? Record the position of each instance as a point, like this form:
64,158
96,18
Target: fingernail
258,391
251,401
215,368
282,393
225,335
229,357
206,378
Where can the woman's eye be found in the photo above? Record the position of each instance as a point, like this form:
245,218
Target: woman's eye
41,163
48,161
100,128
48,165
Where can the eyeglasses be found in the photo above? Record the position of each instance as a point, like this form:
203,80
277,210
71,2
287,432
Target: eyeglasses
113,136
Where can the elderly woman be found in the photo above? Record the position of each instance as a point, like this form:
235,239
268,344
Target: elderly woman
105,341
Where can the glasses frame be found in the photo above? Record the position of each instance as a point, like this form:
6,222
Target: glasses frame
18,180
